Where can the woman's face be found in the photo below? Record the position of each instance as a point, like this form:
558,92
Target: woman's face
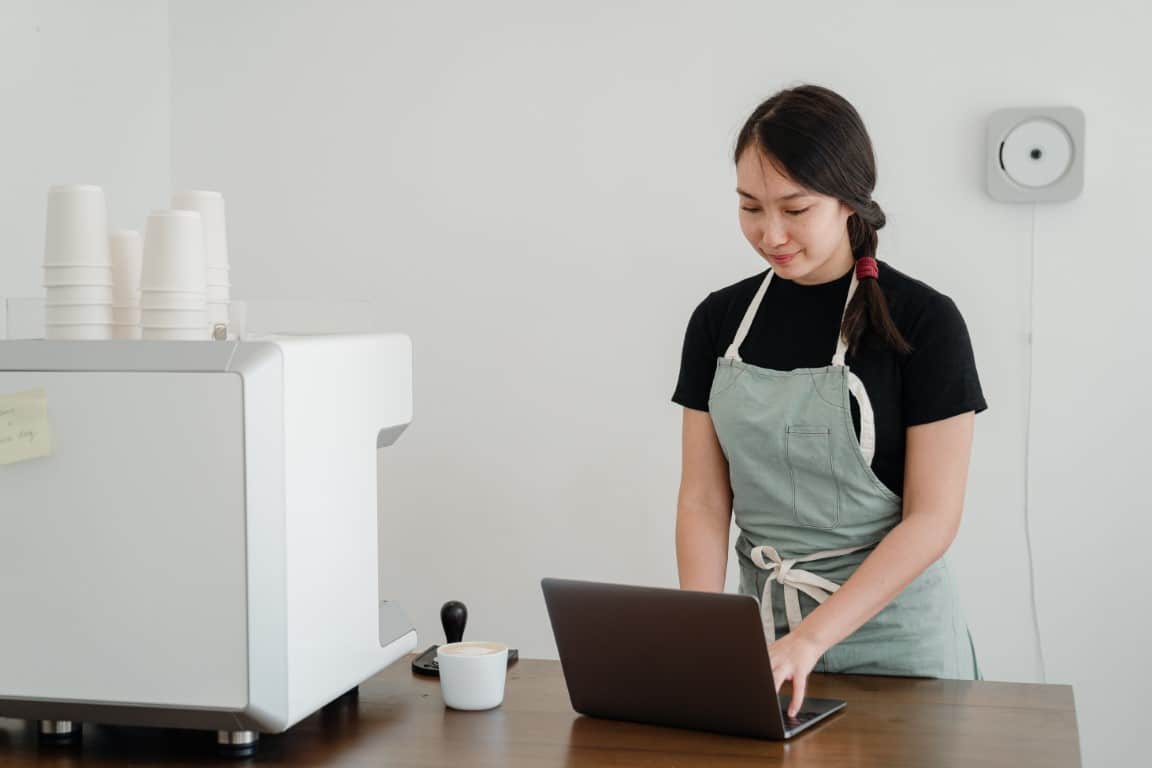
803,235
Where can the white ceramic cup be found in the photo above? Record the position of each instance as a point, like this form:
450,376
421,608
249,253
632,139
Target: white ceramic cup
210,206
472,674
173,253
76,226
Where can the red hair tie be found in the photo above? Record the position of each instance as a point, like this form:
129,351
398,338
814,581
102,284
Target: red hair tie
867,267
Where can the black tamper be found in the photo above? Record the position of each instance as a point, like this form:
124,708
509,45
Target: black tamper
453,617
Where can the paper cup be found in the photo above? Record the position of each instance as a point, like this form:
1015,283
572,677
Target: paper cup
172,300
210,206
126,315
76,226
175,334
77,275
78,313
173,318
126,331
472,674
77,331
173,253
126,252
78,294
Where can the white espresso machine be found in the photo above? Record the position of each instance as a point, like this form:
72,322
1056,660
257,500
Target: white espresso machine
188,530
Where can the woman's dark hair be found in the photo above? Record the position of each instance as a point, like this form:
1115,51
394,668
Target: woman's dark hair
820,140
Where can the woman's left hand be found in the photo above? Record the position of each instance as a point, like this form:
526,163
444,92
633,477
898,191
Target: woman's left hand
793,658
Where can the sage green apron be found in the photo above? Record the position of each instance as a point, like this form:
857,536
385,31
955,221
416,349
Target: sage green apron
810,509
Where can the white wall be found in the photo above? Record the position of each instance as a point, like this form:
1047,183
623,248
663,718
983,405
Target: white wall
540,196
84,98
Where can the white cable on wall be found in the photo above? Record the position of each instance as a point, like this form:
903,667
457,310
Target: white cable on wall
1028,446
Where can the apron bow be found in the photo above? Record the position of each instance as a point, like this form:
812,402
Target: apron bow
794,580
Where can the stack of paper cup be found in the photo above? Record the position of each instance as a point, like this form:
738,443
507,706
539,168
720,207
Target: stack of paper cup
125,249
210,206
77,271
173,297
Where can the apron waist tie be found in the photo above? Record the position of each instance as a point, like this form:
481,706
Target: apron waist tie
794,580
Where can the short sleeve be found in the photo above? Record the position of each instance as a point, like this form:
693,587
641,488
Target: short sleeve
697,359
939,374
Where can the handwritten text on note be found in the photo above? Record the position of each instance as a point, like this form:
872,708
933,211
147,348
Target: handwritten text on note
24,429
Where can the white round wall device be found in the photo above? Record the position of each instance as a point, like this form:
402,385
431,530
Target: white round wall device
1035,154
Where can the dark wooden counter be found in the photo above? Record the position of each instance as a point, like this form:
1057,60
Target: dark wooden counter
399,719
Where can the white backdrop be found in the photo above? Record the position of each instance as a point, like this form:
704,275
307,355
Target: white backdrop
540,196
85,97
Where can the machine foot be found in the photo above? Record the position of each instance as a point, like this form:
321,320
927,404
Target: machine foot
350,695
58,731
237,743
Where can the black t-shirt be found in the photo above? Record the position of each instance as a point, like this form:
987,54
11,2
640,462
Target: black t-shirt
797,326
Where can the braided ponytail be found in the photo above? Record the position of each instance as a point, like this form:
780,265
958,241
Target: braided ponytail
868,310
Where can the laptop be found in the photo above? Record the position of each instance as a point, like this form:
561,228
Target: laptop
671,657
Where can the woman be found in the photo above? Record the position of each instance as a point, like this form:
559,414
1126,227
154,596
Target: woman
829,405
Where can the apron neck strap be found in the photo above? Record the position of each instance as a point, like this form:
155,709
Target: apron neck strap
733,352
841,344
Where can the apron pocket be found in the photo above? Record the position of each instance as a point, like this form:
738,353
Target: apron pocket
815,489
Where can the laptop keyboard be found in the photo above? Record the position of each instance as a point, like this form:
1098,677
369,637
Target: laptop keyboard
800,719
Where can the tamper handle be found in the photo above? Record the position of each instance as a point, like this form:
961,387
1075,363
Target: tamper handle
453,615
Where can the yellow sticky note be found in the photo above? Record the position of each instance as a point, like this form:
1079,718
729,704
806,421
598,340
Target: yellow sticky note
24,429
